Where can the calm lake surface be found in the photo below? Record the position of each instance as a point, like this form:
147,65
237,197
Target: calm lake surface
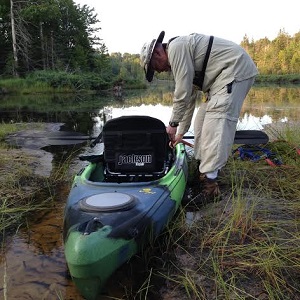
32,264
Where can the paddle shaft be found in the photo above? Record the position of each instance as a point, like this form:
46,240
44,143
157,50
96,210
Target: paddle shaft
250,137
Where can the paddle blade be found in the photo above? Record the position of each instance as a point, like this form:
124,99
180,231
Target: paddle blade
250,137
36,139
65,142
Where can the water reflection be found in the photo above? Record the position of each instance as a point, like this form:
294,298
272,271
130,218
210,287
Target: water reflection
247,121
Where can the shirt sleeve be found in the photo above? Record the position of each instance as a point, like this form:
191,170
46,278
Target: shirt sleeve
182,67
186,122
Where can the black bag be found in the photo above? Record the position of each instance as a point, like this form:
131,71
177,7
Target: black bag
135,144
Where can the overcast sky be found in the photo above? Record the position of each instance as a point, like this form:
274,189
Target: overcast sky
127,25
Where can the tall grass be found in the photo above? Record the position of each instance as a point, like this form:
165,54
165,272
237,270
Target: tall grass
19,188
246,246
23,86
54,82
23,192
278,79
6,129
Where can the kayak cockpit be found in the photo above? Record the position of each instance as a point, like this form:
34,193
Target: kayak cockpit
136,149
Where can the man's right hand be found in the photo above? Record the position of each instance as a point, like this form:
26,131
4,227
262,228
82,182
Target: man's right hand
178,139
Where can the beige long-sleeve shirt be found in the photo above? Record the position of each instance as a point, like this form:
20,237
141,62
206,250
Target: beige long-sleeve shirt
227,62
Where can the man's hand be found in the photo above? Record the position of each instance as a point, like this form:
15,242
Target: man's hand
175,139
178,139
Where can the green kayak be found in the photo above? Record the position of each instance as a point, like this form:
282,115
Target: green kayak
122,200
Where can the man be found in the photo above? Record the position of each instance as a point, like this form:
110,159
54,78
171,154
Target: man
225,73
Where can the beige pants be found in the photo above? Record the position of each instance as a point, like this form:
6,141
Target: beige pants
215,126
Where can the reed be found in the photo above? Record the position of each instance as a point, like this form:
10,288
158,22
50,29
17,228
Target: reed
6,129
246,246
23,192
278,79
23,86
44,82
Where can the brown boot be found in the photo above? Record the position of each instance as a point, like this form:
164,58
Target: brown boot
210,191
202,179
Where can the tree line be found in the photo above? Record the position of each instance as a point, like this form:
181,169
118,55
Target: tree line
60,36
279,56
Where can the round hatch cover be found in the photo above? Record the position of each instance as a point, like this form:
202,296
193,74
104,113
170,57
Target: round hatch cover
107,202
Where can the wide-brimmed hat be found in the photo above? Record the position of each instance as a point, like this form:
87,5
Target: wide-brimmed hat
146,54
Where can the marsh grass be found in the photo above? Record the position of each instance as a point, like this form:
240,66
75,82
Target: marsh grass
246,246
18,190
6,129
23,193
30,86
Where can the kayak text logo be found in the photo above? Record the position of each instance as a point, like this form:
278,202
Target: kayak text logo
137,159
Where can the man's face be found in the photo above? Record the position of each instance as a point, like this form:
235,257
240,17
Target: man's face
159,60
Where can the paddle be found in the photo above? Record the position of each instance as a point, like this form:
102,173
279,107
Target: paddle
60,138
40,139
64,138
249,137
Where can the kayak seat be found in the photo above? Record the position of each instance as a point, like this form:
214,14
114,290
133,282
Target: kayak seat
135,148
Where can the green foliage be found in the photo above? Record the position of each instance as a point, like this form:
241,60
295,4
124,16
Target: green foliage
50,82
23,86
6,129
51,35
280,56
58,35
86,81
278,78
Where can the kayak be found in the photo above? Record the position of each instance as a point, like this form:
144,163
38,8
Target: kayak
122,200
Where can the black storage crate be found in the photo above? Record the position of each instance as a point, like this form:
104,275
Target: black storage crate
135,145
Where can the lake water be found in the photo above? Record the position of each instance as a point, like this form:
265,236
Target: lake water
263,105
32,264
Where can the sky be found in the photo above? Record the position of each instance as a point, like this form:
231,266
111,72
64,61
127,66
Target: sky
127,24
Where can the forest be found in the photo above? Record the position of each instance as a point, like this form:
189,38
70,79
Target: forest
45,39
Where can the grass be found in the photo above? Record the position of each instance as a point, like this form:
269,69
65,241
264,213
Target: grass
23,86
23,192
278,79
246,246
19,188
45,82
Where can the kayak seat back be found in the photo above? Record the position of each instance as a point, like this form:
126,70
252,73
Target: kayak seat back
135,146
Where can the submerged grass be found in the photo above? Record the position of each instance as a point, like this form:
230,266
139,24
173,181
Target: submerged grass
246,246
23,192
18,190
